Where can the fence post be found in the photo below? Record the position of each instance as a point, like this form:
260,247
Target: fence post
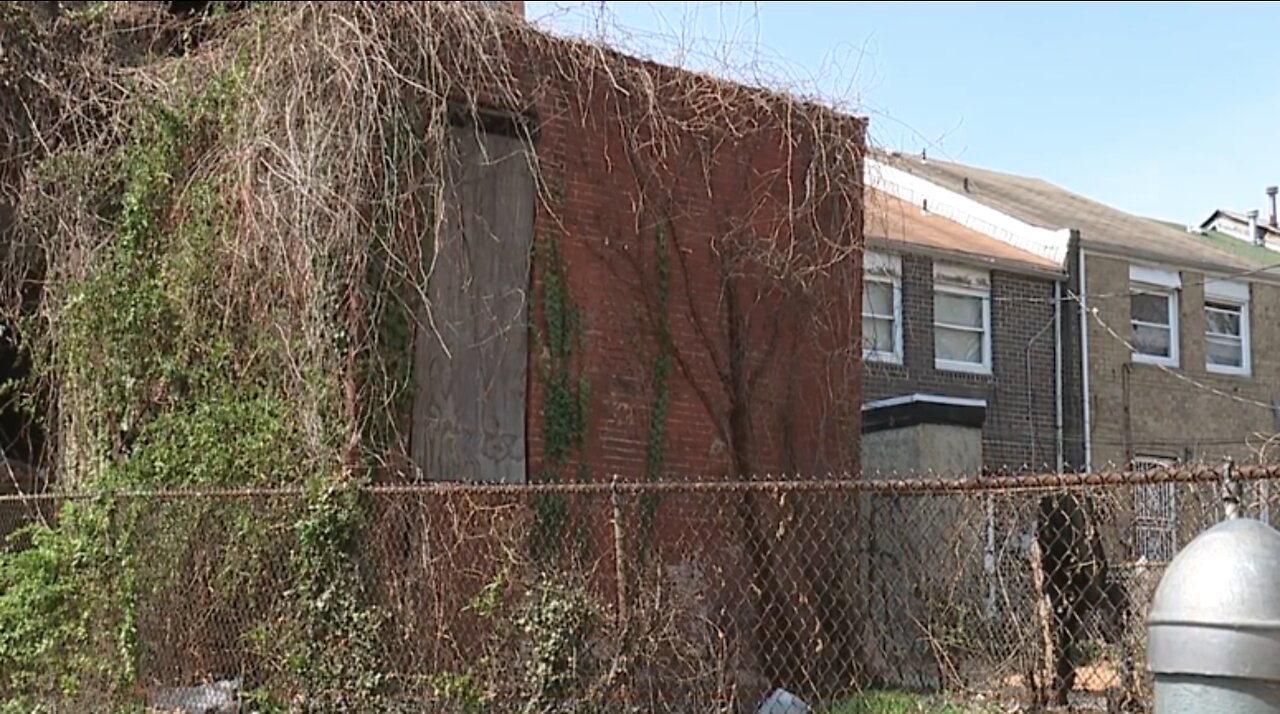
622,667
620,552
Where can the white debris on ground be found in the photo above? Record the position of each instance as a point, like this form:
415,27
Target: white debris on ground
783,702
216,698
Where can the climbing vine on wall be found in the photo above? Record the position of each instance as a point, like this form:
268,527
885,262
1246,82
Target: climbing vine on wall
659,377
392,296
163,386
565,406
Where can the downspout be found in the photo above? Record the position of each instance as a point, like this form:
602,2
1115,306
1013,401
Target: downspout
1083,298
1057,372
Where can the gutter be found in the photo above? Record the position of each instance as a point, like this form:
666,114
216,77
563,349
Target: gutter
1082,298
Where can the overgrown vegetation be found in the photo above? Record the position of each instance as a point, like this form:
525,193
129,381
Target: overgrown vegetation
223,243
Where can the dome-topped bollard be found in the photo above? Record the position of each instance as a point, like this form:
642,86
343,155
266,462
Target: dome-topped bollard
1213,631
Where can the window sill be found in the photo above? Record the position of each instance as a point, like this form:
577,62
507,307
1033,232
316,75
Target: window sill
1220,370
882,358
982,370
1139,358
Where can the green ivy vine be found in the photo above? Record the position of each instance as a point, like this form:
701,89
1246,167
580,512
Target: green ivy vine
565,406
659,377
167,398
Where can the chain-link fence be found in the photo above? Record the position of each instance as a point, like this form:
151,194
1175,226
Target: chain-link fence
988,593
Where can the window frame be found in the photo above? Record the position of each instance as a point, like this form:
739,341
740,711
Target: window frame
1173,307
886,270
945,282
1230,295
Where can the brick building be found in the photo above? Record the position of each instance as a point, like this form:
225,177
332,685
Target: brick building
960,336
1168,332
639,272
679,261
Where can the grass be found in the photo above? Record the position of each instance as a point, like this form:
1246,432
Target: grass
899,703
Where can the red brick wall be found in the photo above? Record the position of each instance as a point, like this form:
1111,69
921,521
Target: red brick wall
705,188
721,193
739,184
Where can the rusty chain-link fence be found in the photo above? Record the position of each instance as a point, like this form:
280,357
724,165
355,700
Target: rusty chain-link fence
989,593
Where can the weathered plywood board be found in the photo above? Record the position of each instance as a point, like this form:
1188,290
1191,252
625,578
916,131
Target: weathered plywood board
471,345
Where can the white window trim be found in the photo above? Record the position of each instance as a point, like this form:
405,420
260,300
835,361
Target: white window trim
921,398
1235,294
954,365
1171,295
1155,277
885,269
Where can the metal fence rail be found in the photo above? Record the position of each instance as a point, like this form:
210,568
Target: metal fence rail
703,596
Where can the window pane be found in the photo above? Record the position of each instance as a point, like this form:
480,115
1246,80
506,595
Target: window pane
959,310
957,345
1223,322
1151,340
1149,308
877,299
1224,352
877,335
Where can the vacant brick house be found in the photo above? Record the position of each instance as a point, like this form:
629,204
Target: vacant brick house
960,333
633,272
1168,332
657,243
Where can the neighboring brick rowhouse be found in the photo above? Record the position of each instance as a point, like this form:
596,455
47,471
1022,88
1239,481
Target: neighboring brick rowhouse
1019,429
1142,410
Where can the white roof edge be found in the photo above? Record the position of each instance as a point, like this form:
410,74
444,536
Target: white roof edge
1048,243
920,397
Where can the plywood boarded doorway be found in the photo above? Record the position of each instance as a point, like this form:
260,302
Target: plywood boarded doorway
471,351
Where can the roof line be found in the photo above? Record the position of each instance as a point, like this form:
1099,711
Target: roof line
977,216
1007,264
1014,231
1259,273
924,398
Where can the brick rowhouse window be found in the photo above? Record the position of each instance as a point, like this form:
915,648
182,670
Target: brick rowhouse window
882,308
961,319
1153,315
1226,333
